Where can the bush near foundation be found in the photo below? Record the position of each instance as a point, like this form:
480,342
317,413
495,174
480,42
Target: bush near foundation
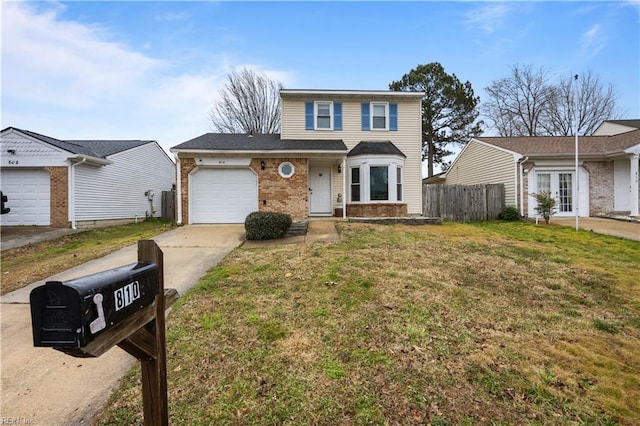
266,225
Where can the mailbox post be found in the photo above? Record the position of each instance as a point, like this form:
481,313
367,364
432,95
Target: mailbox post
122,307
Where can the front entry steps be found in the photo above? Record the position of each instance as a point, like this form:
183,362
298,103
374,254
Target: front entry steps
297,228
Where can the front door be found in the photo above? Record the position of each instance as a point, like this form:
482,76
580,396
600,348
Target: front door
560,185
320,191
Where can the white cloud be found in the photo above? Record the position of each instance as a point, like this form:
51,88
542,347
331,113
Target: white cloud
76,81
488,17
593,40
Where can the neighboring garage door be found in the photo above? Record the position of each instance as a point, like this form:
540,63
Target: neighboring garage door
28,197
223,195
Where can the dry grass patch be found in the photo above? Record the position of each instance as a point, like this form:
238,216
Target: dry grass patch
22,266
452,324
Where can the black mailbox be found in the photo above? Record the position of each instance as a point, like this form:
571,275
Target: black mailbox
71,313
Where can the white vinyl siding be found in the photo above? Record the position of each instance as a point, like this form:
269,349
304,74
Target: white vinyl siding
480,164
407,138
117,191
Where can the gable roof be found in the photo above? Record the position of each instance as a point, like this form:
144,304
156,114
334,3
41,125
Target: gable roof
629,123
256,143
565,145
375,148
92,148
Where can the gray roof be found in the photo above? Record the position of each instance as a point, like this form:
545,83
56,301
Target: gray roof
91,148
259,142
105,148
565,145
375,148
631,123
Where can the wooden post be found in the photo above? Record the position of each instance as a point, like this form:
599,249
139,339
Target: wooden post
154,369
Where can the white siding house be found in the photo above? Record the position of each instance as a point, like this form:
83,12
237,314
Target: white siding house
59,183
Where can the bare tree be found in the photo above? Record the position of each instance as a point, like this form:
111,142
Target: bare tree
594,104
249,103
527,104
517,104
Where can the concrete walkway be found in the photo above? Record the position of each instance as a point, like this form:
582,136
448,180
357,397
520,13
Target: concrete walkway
42,386
614,227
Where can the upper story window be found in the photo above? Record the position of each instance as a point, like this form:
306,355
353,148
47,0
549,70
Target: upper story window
323,115
379,116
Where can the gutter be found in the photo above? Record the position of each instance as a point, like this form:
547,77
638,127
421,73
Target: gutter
72,192
520,162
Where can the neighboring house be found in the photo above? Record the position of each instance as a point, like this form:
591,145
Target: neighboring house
73,183
607,167
340,152
615,127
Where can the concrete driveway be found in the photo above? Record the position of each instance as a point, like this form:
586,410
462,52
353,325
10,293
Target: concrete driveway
43,386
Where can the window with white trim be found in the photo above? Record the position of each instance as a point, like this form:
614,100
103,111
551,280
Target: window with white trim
399,183
375,179
379,116
324,115
355,184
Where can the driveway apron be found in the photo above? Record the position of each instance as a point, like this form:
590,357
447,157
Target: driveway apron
44,386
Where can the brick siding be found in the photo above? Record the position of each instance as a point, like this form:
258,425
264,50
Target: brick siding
186,166
377,210
601,190
59,196
283,195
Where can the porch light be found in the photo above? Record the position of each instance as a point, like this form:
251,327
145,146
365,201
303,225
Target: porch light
339,168
262,165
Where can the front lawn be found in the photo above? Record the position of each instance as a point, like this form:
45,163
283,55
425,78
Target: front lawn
496,323
25,265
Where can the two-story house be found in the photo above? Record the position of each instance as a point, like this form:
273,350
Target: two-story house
340,152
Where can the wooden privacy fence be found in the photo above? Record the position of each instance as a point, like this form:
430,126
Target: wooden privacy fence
168,205
463,203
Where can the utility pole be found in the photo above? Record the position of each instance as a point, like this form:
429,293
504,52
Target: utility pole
576,177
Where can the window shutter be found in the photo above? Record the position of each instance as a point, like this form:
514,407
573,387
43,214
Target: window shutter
337,116
365,116
393,117
308,116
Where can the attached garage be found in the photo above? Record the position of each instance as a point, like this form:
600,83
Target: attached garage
224,195
28,193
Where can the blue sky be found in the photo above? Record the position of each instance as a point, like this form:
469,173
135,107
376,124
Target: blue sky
152,70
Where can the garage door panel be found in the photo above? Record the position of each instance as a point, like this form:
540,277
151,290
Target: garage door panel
28,193
222,195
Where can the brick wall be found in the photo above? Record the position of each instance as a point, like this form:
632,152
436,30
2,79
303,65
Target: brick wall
186,166
283,195
377,210
59,197
601,190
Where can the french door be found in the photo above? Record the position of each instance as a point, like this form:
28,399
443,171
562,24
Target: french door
560,185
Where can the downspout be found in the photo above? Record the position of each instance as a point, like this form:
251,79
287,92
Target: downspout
72,195
344,188
178,191
522,185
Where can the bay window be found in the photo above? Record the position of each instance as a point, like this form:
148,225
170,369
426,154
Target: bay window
375,179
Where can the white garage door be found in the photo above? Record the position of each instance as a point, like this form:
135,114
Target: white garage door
223,195
28,197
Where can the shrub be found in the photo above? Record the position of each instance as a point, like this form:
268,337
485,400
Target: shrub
266,225
546,205
509,213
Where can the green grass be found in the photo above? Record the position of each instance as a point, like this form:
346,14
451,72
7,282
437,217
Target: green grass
494,323
24,265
